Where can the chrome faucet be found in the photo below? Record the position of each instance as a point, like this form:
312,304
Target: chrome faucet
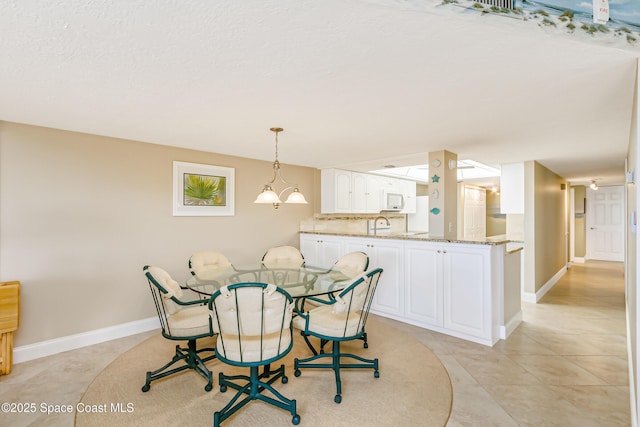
375,223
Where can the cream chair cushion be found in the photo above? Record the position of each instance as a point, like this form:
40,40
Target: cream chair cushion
354,300
247,331
171,286
349,266
207,265
189,321
324,321
283,256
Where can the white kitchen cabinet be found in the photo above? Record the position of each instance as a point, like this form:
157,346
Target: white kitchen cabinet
468,289
454,288
512,188
349,192
321,250
449,287
356,192
366,193
386,254
423,269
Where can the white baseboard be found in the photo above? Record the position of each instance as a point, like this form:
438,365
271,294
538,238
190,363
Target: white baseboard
37,350
534,298
579,260
511,325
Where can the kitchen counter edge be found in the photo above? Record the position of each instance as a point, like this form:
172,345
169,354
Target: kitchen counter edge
494,240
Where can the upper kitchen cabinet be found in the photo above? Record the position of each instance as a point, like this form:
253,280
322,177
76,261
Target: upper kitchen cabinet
355,192
349,192
512,188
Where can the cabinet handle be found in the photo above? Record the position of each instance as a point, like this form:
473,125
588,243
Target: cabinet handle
444,252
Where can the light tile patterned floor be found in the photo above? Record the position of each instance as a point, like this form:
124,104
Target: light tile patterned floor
565,365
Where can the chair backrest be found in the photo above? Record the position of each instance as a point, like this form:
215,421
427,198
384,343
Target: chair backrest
349,266
208,264
283,256
345,319
253,322
167,297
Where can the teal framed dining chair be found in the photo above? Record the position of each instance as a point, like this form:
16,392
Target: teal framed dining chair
253,322
180,321
347,267
342,320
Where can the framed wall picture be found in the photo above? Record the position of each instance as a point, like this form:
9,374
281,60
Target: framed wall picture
203,190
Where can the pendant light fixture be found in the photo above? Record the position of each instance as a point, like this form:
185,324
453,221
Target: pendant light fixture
269,195
593,185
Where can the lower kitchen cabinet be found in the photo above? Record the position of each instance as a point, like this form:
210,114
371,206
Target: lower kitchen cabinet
321,250
386,254
453,288
423,269
449,286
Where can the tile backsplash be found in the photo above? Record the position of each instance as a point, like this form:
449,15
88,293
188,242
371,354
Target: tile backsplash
350,223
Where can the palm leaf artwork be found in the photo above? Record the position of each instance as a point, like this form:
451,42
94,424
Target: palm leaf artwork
204,190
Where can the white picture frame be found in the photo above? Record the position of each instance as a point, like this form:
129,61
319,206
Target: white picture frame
203,190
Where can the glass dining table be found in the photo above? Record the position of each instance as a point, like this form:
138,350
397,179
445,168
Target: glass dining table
300,281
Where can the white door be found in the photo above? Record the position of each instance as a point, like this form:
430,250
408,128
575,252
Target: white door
605,223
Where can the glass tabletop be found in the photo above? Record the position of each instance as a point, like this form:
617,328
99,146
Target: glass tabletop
299,281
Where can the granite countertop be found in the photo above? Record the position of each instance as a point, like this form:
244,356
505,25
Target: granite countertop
493,240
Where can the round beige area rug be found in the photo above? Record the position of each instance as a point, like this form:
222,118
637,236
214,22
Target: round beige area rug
414,389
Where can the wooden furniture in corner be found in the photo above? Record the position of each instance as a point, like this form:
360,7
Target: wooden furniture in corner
9,310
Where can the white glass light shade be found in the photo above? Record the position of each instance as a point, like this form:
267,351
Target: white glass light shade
296,197
267,196
594,186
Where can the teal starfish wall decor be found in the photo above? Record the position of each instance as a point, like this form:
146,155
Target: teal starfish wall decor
435,178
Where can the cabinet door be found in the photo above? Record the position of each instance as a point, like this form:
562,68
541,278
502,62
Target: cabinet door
374,194
423,269
358,192
310,248
321,250
332,250
342,192
385,254
410,201
467,296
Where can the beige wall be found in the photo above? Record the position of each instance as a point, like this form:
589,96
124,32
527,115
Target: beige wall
80,215
496,222
545,225
580,223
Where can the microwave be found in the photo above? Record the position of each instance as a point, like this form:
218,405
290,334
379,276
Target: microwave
392,201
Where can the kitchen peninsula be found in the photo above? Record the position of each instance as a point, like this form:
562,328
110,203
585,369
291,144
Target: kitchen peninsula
469,289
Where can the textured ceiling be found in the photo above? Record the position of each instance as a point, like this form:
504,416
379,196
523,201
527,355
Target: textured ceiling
354,83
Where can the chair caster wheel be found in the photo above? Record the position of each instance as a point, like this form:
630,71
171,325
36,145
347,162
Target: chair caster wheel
297,373
285,379
295,420
208,387
366,345
337,399
223,388
145,388
376,374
